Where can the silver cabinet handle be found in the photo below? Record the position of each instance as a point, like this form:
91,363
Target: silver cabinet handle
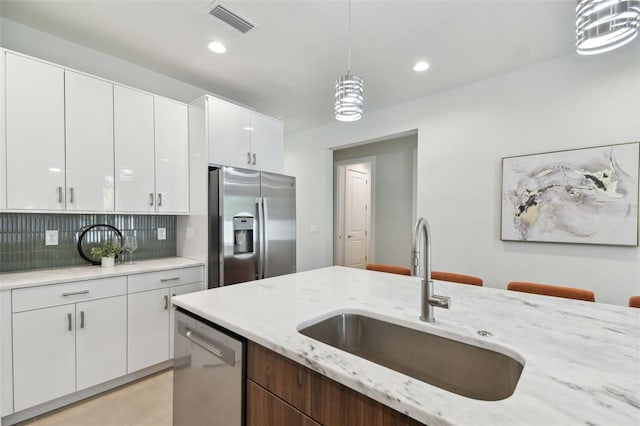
69,321
73,293
254,159
151,198
166,302
81,319
164,280
159,199
248,158
71,195
60,194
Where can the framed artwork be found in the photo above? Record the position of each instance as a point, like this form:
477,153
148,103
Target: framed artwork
585,196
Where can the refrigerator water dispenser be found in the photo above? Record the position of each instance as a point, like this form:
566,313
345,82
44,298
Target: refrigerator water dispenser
242,234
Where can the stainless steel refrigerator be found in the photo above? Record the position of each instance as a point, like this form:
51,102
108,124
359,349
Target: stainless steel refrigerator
252,225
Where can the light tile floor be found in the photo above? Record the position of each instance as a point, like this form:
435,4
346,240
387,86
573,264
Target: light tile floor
144,403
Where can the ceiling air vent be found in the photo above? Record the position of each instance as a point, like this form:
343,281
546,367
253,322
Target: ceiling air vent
222,12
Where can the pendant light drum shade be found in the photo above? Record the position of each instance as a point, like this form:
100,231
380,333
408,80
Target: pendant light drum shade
604,25
349,89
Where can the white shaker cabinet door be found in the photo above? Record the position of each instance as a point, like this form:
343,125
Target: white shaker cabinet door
267,143
177,291
171,156
134,146
229,134
148,328
35,134
89,146
44,356
101,340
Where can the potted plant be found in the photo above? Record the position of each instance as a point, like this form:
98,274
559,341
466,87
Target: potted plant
106,253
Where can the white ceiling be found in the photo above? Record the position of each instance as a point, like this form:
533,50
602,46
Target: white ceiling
288,64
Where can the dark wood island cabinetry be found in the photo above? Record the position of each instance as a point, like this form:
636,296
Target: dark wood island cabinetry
283,392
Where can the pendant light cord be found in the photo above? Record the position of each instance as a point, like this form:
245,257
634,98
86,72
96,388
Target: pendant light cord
349,40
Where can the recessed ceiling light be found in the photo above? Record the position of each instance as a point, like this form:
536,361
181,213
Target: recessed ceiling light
421,66
217,47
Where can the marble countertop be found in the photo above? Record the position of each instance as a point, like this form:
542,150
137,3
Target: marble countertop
582,360
13,280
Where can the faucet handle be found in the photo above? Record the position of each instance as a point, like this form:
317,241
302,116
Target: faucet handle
440,301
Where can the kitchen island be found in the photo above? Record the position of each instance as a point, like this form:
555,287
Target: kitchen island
581,360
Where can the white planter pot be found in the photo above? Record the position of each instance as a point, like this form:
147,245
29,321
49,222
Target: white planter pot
108,262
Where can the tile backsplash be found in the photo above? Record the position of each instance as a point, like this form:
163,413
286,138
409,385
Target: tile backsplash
22,238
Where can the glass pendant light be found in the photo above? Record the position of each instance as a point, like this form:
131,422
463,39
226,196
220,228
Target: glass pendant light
604,25
349,90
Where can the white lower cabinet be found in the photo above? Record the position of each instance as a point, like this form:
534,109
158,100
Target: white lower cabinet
101,341
63,349
69,337
44,355
148,337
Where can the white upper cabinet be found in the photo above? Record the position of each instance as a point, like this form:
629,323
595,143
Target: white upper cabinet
239,137
267,143
229,134
35,134
171,156
89,143
3,163
134,150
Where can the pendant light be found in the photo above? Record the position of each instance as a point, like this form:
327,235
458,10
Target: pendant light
349,89
604,25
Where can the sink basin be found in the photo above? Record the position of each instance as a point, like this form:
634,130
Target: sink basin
457,367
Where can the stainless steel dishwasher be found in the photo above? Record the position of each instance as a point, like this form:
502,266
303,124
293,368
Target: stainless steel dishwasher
208,378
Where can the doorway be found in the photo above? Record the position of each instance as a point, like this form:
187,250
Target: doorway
353,212
392,200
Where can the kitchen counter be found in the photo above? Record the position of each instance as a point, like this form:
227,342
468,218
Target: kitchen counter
582,360
39,277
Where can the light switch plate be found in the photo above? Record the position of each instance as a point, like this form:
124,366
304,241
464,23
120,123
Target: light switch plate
162,233
51,238
313,229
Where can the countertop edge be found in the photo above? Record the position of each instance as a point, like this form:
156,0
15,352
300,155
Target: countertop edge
41,277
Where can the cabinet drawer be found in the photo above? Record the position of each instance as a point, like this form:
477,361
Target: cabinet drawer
25,299
284,378
163,279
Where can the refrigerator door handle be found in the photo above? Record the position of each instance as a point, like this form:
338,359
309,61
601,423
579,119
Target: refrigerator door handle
261,235
265,234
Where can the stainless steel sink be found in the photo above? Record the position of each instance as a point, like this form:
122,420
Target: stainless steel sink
457,367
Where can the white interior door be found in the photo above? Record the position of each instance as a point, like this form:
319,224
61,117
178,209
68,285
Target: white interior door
356,220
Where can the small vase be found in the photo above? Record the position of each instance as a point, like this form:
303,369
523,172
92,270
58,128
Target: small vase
107,262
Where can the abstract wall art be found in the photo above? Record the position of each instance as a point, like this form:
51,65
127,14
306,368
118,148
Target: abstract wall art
587,196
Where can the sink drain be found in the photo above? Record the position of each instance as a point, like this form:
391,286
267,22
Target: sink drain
484,333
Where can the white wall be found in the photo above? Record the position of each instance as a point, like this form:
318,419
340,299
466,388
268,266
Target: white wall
30,41
569,102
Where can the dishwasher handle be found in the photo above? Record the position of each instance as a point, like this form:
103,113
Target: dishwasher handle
212,346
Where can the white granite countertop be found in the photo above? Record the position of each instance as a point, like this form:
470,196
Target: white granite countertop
582,360
38,277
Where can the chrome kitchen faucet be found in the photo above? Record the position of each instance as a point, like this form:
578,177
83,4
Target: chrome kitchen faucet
428,300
